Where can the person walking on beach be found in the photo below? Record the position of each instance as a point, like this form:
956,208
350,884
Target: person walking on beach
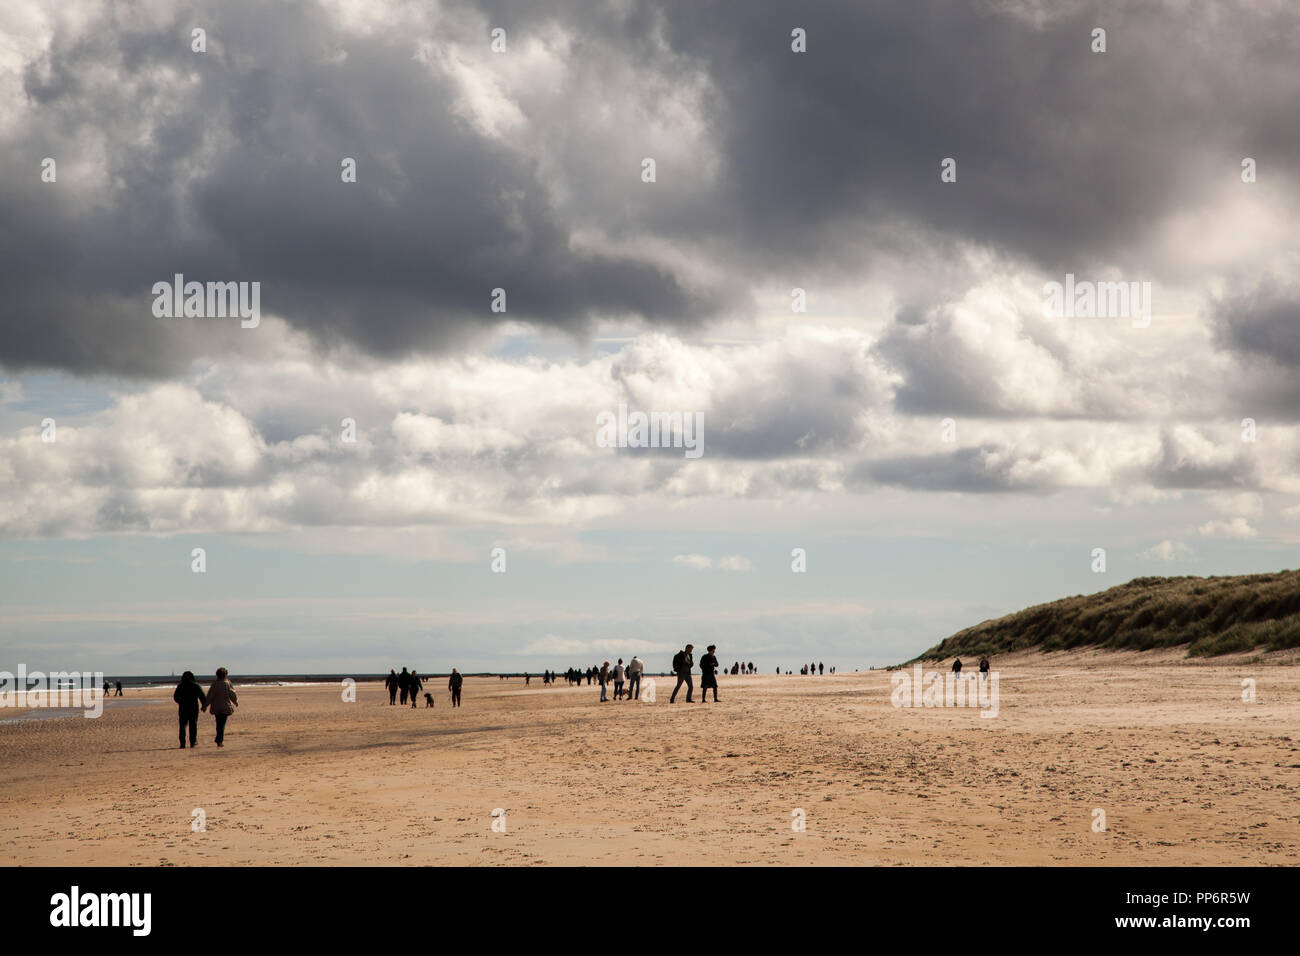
619,672
682,663
454,684
189,699
634,669
391,683
404,684
603,676
119,688
956,666
416,686
106,689
708,675
984,668
222,702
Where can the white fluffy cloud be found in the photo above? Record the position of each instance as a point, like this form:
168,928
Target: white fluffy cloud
510,442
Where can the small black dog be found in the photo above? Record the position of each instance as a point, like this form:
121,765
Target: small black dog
428,700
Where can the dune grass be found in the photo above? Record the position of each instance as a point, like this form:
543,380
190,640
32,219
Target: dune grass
1210,616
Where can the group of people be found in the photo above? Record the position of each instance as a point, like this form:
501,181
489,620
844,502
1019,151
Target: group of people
409,685
220,699
109,691
683,661
984,667
619,675
814,669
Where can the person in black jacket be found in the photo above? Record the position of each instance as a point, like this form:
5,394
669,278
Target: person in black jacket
415,687
453,684
391,683
709,675
189,699
404,684
682,663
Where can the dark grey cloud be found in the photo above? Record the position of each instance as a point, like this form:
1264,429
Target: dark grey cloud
1262,323
239,179
963,469
226,165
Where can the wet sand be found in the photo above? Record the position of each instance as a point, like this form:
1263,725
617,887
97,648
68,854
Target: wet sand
1184,770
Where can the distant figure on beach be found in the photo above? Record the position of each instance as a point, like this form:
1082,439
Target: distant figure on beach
454,684
619,672
682,663
189,699
984,668
391,683
956,666
527,679
634,669
602,676
106,689
222,702
821,668
416,686
404,684
119,688
708,675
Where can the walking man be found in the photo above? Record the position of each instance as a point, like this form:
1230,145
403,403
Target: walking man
453,684
391,683
634,669
682,663
189,698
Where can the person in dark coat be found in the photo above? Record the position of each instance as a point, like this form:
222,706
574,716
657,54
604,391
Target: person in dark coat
454,684
682,663
391,683
190,699
709,674
415,687
404,684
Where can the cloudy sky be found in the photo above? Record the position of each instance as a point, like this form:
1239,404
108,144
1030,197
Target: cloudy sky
523,169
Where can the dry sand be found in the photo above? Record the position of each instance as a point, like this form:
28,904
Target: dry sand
1186,772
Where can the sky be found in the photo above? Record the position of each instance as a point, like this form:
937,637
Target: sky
838,262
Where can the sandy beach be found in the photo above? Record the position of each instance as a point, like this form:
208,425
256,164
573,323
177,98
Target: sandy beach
1184,770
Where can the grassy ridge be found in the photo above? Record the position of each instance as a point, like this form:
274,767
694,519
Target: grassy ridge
1214,615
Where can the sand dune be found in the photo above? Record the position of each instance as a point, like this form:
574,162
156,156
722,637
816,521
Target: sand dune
1185,771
